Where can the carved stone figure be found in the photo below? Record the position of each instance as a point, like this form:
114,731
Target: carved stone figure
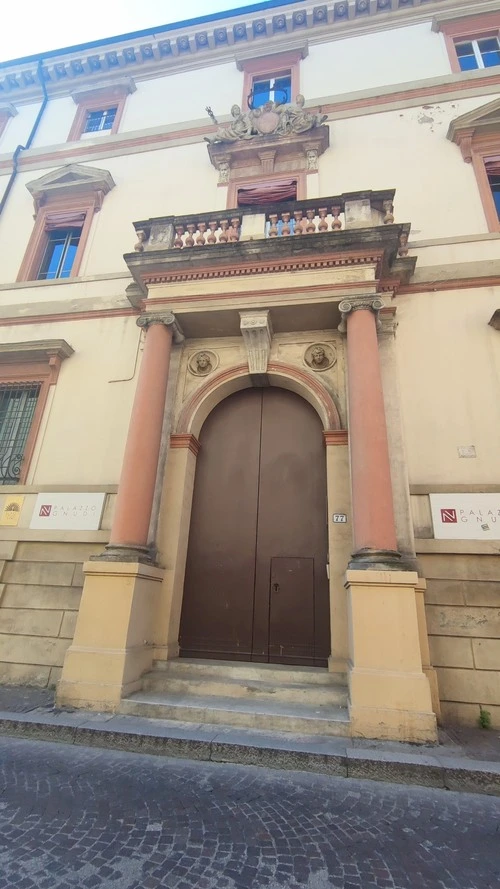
296,119
239,128
320,357
203,363
270,119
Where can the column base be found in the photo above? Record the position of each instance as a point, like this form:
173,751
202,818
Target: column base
389,694
114,636
368,559
122,552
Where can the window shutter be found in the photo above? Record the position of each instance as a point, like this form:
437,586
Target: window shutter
54,221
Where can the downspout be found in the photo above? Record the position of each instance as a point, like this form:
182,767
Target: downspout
20,148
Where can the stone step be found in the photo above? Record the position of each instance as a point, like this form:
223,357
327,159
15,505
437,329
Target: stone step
268,715
244,671
328,693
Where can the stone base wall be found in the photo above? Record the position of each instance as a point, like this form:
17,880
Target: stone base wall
463,622
40,590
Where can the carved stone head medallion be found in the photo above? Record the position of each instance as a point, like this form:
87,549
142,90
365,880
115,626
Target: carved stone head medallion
320,357
203,363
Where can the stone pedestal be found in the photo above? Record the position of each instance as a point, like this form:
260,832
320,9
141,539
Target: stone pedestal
390,696
113,643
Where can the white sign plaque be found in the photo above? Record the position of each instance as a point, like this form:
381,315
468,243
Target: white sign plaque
466,516
339,517
68,512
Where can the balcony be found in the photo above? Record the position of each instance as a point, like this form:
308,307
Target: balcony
338,213
350,230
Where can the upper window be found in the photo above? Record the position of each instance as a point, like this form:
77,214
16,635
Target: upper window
65,203
100,120
482,53
274,78
473,42
100,110
277,88
492,167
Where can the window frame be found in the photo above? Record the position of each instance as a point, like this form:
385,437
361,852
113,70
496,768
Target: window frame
38,362
484,147
236,184
476,51
101,99
271,67
469,29
38,241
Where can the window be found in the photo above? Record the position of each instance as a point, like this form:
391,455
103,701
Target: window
100,110
482,53
492,165
17,408
27,371
65,203
271,89
60,253
473,42
274,78
100,120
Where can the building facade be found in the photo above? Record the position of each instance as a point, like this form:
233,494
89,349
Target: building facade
250,364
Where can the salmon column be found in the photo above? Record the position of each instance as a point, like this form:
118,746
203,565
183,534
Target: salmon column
129,533
374,531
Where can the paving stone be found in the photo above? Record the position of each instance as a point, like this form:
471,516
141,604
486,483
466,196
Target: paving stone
87,818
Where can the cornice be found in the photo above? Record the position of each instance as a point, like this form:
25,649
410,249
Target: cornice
184,46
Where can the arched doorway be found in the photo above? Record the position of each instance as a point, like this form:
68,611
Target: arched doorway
256,585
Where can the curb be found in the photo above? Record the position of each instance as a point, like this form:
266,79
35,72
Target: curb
427,770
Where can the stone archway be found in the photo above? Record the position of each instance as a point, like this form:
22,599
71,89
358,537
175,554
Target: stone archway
179,486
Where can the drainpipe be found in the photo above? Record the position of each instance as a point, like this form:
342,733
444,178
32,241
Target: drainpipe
20,148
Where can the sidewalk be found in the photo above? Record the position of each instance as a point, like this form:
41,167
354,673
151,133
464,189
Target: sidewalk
465,759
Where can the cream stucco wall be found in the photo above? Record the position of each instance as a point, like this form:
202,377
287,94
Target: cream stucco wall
408,150
176,98
395,55
85,422
449,367
19,127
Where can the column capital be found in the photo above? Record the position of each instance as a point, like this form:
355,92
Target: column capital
346,306
147,319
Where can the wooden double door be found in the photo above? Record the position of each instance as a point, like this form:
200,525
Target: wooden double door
256,584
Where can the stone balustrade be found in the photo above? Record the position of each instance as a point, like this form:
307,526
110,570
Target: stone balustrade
308,217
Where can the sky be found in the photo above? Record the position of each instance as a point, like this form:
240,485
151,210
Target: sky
36,26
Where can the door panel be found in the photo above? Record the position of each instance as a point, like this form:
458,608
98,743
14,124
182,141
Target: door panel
291,612
258,519
217,611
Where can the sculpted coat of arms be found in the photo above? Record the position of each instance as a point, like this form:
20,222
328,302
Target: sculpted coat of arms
270,119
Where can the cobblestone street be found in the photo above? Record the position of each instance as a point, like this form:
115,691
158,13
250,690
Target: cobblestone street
95,819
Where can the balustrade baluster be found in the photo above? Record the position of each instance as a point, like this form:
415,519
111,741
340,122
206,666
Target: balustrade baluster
223,237
286,224
200,240
273,230
389,212
178,241
323,224
298,214
189,242
337,223
234,234
311,225
212,237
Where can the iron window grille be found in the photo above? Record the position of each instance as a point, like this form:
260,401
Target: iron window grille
100,120
60,253
482,53
17,408
271,89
